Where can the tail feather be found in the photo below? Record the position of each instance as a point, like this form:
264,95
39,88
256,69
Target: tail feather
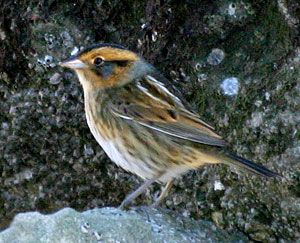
256,168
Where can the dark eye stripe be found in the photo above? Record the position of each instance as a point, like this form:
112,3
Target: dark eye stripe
106,68
121,63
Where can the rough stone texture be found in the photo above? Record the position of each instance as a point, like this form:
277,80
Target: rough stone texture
48,158
113,225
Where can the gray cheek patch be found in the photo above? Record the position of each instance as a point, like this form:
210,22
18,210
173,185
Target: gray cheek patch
107,70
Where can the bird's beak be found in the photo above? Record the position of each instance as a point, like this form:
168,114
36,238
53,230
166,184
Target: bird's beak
73,64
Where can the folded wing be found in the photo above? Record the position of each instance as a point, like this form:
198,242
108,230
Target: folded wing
150,104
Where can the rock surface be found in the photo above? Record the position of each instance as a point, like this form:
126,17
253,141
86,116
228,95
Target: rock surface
237,63
113,225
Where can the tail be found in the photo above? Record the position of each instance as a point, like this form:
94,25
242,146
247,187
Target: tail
249,165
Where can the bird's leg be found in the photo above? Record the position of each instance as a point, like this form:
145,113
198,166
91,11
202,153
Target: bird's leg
163,193
136,193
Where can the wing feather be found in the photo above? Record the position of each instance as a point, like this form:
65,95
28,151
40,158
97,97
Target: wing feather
150,104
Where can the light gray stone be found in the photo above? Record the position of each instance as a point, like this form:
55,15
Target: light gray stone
113,225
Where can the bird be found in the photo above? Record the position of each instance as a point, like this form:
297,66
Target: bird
144,125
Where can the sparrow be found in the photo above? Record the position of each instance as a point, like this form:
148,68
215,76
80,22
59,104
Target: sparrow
141,124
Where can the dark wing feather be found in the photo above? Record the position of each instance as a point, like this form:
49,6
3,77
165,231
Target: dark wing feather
150,104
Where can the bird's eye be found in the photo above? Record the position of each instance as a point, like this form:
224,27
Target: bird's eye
98,61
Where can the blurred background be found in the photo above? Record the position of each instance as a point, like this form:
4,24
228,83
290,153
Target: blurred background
236,62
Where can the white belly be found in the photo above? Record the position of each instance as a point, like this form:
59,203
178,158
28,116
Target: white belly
120,156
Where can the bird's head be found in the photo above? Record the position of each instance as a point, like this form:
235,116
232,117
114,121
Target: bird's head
106,65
